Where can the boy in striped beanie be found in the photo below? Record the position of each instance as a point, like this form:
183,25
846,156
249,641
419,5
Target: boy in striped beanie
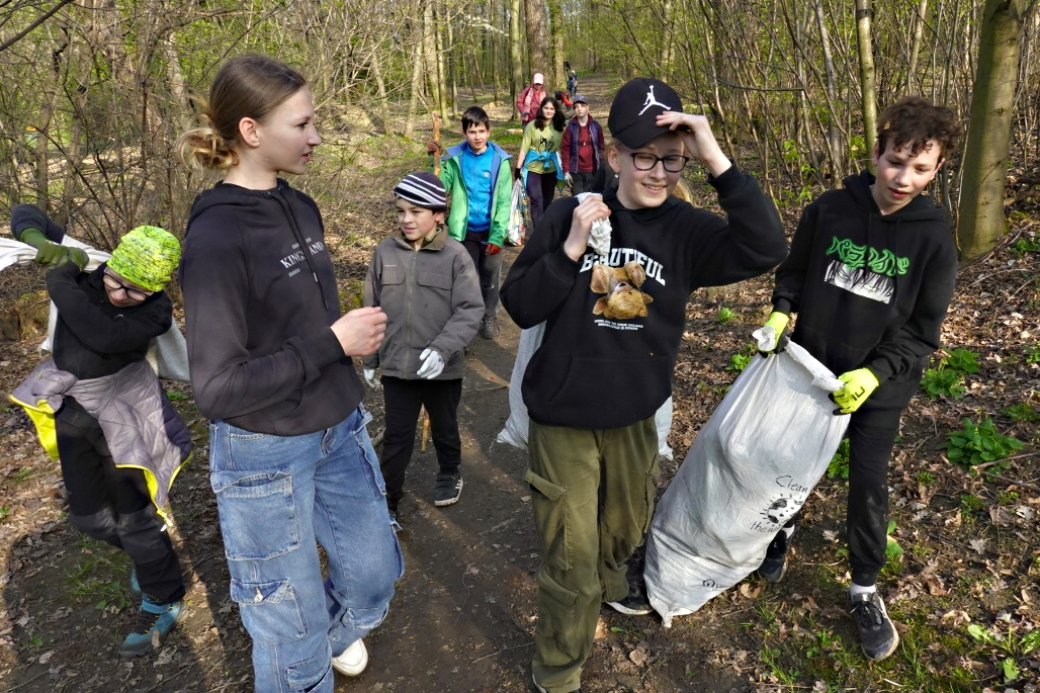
426,284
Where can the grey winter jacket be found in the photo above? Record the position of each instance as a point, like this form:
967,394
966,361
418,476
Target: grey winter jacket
140,425
431,297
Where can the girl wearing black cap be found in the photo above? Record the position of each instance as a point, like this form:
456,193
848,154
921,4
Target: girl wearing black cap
615,310
426,284
290,459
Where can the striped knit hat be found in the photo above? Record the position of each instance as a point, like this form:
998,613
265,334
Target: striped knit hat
422,190
146,256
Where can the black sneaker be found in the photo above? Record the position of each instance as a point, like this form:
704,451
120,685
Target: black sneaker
877,634
774,565
449,489
635,604
489,327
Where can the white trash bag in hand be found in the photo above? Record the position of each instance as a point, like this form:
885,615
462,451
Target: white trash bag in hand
750,469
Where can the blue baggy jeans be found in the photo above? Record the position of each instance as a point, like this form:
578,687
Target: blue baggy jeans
278,497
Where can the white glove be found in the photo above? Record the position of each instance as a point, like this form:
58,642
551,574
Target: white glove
433,364
569,179
370,378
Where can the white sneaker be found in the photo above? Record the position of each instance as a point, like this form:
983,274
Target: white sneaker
353,660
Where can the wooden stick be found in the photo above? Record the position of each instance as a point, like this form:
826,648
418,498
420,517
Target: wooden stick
425,417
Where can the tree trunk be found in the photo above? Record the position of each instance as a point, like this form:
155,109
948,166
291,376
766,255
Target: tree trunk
440,72
834,140
556,76
866,69
416,83
915,48
537,37
982,222
516,50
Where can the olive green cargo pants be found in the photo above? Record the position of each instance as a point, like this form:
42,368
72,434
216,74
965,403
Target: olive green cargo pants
593,501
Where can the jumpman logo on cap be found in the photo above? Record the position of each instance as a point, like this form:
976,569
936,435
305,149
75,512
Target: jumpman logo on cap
652,101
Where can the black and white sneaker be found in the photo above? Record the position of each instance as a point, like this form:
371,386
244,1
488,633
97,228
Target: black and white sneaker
877,634
774,565
449,489
635,604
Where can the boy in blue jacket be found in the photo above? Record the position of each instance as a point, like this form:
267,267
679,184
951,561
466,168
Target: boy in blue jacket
870,275
476,175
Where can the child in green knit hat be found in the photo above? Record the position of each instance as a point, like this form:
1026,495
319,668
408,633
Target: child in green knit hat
106,319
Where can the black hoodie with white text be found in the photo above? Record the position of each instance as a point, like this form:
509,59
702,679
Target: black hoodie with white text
259,299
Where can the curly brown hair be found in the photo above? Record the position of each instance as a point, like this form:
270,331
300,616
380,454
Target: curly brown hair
915,121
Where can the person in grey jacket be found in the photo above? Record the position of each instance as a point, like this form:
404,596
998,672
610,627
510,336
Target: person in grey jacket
426,284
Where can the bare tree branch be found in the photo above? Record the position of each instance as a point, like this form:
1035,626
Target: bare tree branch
40,20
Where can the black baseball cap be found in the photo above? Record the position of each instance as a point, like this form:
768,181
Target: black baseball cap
633,114
580,98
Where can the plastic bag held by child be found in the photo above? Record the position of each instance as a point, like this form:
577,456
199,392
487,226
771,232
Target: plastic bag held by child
519,215
749,470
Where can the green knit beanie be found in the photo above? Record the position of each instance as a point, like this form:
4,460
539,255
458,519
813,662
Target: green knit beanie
146,256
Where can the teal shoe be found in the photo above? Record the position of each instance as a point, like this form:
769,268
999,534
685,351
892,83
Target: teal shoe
135,586
154,622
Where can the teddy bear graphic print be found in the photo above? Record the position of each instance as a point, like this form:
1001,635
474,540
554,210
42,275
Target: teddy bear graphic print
619,279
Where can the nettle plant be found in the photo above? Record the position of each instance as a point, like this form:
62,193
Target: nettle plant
947,378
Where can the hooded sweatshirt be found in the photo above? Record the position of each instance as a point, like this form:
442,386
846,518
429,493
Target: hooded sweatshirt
870,290
595,368
259,298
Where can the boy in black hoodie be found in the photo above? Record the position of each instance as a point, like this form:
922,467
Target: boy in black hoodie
871,274
106,319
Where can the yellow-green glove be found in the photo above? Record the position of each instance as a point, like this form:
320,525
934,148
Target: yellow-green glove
859,385
51,253
769,340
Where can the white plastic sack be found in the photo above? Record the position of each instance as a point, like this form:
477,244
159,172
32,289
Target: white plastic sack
519,214
663,421
515,431
749,470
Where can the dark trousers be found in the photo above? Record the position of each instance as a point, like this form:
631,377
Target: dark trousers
870,447
540,188
489,269
403,399
113,505
582,182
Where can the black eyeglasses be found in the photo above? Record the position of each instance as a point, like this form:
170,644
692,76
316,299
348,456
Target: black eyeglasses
114,284
672,163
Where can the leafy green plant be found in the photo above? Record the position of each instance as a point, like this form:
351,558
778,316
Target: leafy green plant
1023,412
725,315
1026,245
947,379
925,478
963,361
979,443
839,464
971,504
893,551
738,362
1033,353
939,382
5,510
175,396
1010,643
